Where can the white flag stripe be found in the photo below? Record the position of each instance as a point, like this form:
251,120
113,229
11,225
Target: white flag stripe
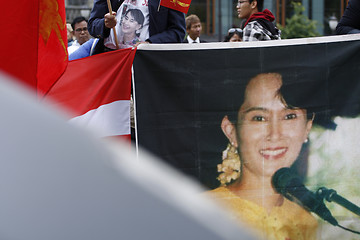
107,120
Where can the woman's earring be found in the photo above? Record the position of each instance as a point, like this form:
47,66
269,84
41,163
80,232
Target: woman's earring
230,168
306,140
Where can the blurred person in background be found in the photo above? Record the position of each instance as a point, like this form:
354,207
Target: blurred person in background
234,35
70,34
81,33
193,29
259,24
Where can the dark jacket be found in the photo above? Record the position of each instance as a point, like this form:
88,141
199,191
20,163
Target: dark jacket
186,41
165,25
350,21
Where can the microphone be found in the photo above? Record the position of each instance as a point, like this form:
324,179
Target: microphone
331,195
287,183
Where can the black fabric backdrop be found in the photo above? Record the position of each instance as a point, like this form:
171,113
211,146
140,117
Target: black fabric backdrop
182,95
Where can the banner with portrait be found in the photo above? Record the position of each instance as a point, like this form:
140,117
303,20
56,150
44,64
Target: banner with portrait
190,100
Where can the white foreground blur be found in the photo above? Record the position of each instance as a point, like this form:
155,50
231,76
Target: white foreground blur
59,182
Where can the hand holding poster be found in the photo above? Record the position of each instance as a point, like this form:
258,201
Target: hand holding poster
132,26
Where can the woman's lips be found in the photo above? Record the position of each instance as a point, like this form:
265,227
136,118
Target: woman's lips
273,153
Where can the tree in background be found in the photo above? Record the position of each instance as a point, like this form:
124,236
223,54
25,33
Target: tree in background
299,25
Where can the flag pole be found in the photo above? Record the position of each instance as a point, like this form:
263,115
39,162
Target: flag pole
159,5
110,11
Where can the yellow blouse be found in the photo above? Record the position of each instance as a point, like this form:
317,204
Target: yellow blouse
286,222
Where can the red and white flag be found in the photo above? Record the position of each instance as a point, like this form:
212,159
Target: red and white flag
96,92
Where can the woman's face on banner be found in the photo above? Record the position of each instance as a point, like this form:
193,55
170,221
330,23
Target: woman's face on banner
129,24
270,135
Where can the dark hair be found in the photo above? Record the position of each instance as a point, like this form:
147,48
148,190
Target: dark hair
260,4
137,14
78,20
286,93
289,102
230,35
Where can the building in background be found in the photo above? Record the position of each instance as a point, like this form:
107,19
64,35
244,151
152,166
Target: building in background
220,15
75,8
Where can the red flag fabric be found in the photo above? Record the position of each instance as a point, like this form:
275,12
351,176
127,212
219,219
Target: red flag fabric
19,40
96,92
179,5
52,43
34,42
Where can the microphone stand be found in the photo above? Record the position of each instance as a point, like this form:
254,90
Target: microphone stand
330,195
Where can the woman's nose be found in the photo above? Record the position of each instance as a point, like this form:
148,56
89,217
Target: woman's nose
274,130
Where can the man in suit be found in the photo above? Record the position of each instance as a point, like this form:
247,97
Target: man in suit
193,29
161,24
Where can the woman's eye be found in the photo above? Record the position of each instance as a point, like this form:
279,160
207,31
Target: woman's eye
290,116
258,118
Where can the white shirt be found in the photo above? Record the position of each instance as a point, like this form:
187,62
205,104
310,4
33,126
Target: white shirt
74,46
190,40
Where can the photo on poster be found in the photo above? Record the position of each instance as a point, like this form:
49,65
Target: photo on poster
232,117
132,24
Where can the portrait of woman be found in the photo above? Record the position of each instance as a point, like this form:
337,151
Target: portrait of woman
131,24
267,135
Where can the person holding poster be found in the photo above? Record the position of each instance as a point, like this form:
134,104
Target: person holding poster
268,134
131,23
157,24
